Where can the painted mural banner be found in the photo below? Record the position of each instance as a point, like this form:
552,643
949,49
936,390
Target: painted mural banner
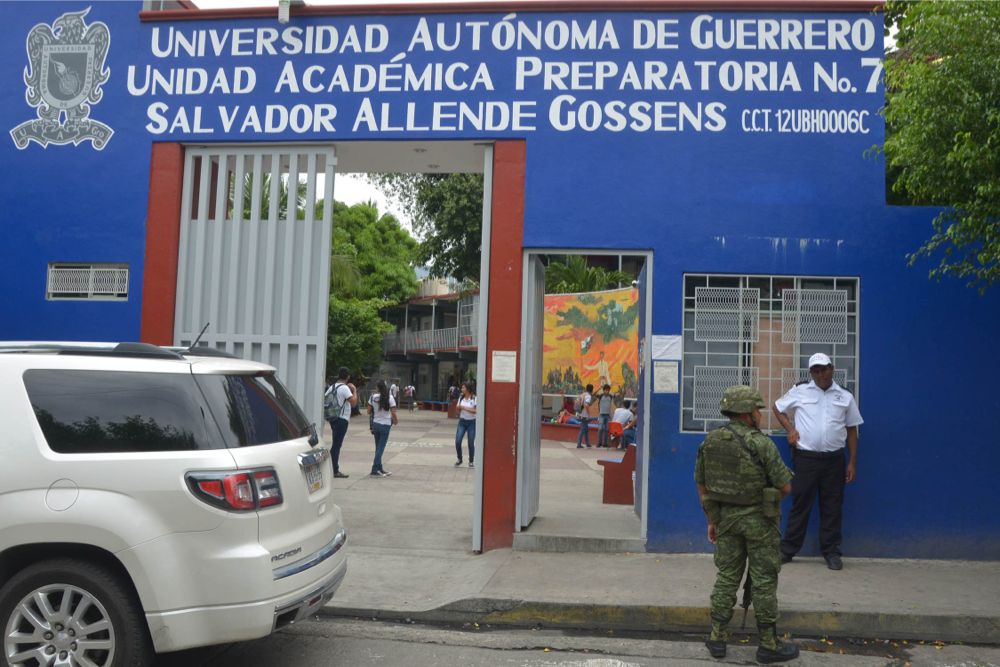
591,338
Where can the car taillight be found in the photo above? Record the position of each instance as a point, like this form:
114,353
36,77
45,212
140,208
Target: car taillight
236,491
266,485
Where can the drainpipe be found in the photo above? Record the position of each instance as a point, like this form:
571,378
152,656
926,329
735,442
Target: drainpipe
406,327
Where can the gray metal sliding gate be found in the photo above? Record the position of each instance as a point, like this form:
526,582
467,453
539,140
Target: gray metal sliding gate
254,259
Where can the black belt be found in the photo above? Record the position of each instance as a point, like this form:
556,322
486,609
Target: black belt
807,454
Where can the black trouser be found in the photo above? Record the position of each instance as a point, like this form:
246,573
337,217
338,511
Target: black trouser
823,474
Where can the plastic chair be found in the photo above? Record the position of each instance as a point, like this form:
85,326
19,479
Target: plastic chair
615,432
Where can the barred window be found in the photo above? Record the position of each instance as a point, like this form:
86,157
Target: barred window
761,331
106,282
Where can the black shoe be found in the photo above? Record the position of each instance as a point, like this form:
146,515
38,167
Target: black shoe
458,463
785,558
341,475
717,649
785,651
833,562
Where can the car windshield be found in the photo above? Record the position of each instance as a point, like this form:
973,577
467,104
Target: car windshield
252,409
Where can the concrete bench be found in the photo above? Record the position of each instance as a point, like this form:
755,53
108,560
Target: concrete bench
618,478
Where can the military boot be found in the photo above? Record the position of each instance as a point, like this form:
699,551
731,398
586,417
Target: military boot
771,649
716,643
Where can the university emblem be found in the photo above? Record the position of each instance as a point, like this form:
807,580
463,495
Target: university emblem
64,76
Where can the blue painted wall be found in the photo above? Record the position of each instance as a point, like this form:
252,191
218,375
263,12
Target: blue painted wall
719,200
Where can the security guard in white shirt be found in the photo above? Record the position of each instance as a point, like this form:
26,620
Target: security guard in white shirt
826,420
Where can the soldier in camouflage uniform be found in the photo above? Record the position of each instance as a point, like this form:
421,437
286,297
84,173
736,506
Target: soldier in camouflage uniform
741,480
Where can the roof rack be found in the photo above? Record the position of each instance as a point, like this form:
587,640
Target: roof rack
202,351
141,350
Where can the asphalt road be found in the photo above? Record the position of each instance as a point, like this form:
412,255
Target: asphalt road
357,643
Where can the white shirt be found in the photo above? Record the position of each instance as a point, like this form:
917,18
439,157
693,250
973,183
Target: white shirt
343,396
622,416
382,416
464,403
821,417
393,390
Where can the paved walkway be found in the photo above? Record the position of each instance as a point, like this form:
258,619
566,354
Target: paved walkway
410,557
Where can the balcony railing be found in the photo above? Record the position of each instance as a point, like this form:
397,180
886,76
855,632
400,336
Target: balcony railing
452,339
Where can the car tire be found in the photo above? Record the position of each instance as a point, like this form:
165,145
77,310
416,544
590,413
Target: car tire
80,609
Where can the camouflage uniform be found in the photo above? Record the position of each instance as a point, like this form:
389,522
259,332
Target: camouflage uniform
735,479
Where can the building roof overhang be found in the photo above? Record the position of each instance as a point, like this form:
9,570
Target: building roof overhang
460,7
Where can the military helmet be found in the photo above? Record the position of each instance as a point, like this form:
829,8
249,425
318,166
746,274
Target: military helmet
740,399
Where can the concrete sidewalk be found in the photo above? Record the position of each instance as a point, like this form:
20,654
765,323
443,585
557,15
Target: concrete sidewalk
409,541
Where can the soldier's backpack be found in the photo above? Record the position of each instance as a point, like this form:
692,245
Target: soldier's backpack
733,473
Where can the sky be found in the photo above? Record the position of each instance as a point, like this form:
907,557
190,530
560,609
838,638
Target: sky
354,189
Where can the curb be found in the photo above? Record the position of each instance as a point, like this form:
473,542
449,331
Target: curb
598,617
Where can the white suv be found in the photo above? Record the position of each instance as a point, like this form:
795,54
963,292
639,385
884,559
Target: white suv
154,499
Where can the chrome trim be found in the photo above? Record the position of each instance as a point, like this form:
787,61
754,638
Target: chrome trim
312,560
301,606
314,457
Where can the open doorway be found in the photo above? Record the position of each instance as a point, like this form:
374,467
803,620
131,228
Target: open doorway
433,344
580,330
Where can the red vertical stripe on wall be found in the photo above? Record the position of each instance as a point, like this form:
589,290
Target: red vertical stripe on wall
503,332
163,225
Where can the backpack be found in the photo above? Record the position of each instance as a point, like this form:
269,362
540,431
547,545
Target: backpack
332,403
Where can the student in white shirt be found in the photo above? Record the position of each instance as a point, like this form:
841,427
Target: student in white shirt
382,408
583,414
466,423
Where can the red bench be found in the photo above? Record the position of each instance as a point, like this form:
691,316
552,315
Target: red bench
567,432
618,478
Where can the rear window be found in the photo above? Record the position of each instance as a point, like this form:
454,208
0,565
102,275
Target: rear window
109,411
253,409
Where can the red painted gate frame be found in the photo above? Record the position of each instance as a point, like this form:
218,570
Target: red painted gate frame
499,458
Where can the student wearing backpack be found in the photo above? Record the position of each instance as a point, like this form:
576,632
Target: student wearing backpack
337,404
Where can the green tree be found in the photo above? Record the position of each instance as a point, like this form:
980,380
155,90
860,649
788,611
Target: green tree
943,115
575,275
382,252
371,267
265,197
354,335
447,213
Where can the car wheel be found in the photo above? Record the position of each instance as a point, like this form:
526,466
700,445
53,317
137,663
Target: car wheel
72,612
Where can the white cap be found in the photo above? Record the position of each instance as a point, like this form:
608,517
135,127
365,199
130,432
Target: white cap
819,359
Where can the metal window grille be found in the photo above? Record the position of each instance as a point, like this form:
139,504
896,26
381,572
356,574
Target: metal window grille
103,282
814,316
736,331
709,384
727,314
